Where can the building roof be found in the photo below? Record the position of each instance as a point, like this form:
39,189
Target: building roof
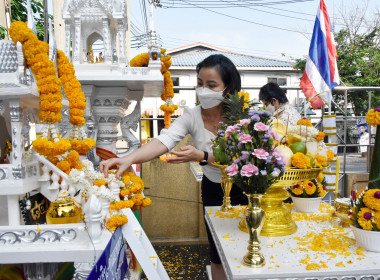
193,57
195,46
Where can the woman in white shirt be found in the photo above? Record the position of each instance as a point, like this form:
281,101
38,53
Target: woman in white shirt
217,77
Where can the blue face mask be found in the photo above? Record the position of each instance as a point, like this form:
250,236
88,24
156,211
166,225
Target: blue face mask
209,98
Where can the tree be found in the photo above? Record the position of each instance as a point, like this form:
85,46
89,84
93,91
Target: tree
358,47
19,12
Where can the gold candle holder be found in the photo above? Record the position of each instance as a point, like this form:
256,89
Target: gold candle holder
254,220
63,212
342,206
226,183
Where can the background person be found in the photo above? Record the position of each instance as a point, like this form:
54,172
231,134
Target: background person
364,139
274,98
217,77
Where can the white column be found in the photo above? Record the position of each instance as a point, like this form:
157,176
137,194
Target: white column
67,38
107,40
77,39
122,40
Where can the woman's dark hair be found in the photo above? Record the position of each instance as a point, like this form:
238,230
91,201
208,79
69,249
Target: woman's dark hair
226,69
366,129
272,90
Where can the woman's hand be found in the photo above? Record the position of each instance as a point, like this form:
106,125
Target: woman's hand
121,164
187,153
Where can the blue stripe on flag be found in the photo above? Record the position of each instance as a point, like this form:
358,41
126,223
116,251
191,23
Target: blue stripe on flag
318,52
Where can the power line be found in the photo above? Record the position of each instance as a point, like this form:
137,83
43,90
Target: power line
245,20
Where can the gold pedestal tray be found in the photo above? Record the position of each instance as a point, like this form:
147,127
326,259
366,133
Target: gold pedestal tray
278,218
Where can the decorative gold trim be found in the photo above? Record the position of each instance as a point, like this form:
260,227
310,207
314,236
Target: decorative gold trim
331,144
329,127
329,116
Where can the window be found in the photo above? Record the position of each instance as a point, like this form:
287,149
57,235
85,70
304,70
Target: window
279,81
175,83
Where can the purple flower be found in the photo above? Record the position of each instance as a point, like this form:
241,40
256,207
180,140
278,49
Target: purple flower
237,160
245,138
276,172
244,156
221,132
263,172
252,112
266,113
255,118
265,137
260,153
377,109
248,170
367,216
268,159
232,169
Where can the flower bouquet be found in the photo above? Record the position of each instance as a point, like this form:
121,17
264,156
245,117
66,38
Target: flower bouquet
246,145
365,204
307,195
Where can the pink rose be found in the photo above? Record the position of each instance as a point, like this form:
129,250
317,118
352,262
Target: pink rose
260,153
275,136
232,170
260,127
278,155
245,138
245,122
231,129
248,170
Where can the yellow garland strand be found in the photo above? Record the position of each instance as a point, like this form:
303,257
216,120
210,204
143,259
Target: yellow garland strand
168,108
36,56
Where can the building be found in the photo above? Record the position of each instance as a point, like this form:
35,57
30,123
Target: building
255,72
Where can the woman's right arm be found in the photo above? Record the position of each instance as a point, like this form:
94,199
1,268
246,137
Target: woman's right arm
145,153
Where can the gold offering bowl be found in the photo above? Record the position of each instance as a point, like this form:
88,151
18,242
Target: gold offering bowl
342,206
278,218
63,212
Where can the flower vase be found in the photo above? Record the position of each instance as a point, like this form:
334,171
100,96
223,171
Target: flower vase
254,220
374,173
367,239
226,184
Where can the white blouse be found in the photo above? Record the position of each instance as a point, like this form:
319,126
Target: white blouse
191,122
287,114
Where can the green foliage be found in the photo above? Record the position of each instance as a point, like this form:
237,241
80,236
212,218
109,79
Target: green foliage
19,13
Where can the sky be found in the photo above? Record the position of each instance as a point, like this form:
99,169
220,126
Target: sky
243,29
278,29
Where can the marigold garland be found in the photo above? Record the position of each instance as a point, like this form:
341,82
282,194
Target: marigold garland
48,148
300,161
116,221
373,117
320,136
37,58
168,107
330,155
304,121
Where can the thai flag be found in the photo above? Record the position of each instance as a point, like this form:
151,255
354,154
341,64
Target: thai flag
321,71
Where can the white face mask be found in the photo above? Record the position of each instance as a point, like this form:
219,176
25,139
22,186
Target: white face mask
209,98
271,109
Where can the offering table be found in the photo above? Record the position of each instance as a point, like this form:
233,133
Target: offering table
288,257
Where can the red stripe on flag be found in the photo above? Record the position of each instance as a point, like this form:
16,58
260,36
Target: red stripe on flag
330,44
309,90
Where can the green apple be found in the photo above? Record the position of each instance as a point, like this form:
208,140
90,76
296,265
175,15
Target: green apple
298,147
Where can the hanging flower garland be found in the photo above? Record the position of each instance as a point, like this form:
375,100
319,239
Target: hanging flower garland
77,103
49,86
168,107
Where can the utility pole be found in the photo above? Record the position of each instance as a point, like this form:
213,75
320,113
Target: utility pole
152,4
46,22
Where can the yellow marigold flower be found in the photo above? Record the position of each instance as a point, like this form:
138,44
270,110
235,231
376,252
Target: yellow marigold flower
137,199
146,202
116,221
297,189
309,187
304,121
300,161
321,190
320,161
64,166
320,136
373,117
117,205
99,183
371,199
125,192
330,155
377,219
364,218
